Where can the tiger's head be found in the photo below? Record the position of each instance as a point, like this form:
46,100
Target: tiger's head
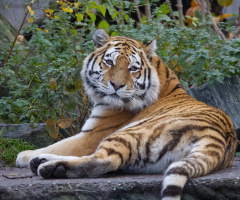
118,72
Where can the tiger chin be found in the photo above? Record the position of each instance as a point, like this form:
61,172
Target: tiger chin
142,121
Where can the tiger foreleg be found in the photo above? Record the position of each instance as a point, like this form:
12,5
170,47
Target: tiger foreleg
86,166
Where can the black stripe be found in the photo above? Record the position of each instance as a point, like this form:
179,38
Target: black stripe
158,64
88,130
124,142
178,170
171,191
175,88
101,104
111,151
90,59
167,71
97,117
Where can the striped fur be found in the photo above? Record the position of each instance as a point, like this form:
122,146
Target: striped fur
142,122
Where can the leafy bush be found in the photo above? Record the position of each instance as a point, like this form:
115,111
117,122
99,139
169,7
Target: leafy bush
42,78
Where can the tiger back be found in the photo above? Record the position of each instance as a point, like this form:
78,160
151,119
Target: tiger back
142,121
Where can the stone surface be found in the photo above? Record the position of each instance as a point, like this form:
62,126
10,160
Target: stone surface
36,135
225,96
18,183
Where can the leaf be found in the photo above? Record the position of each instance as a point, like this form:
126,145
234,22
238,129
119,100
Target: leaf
114,14
102,9
51,128
64,123
50,11
92,16
30,19
126,17
79,17
103,24
30,10
74,31
76,5
144,20
67,9
93,4
55,16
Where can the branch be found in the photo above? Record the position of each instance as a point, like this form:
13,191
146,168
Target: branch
171,11
16,36
138,12
148,11
208,12
180,11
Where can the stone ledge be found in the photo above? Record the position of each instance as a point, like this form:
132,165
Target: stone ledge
18,184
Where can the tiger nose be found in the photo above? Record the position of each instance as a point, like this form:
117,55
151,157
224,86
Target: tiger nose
117,85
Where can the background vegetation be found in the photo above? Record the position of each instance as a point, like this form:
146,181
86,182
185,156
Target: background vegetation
40,81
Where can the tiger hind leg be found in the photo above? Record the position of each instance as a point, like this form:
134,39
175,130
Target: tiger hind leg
177,174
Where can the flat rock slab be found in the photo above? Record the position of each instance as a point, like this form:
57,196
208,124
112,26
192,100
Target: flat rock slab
18,183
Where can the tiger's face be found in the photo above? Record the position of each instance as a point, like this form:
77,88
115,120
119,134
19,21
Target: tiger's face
119,74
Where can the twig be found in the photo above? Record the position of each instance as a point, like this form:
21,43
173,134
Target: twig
171,11
120,9
148,11
16,69
23,21
208,12
138,12
180,11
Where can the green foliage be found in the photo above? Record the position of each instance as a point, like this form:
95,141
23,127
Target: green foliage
9,149
41,79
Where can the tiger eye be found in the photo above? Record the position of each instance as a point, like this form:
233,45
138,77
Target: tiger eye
109,62
133,68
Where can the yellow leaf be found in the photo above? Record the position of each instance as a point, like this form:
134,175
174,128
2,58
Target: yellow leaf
55,16
46,31
30,19
68,9
51,128
64,123
38,29
226,15
53,84
30,10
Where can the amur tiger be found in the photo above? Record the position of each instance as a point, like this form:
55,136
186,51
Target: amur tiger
142,121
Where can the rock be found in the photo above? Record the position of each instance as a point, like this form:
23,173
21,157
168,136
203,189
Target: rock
225,96
16,183
35,133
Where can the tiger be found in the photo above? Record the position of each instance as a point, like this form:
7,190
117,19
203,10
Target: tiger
142,122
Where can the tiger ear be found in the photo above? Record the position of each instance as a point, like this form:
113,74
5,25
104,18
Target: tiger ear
100,37
151,47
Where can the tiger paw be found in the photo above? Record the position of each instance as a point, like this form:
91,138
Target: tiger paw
52,170
23,158
35,162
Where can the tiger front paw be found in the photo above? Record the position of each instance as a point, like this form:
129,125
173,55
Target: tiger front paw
52,169
23,158
35,162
